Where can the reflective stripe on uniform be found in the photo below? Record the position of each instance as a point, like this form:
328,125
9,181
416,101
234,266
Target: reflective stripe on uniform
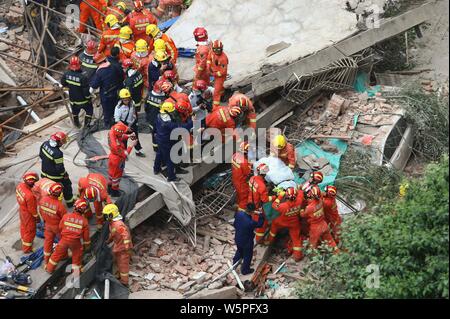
222,114
296,248
272,234
52,262
253,120
259,234
73,83
47,154
27,244
73,225
48,210
87,242
79,103
90,66
19,195
51,176
235,164
138,83
127,241
47,254
124,274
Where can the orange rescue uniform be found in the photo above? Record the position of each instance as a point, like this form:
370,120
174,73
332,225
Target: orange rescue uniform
73,227
220,119
142,64
138,21
250,113
259,195
109,37
28,216
240,171
120,235
99,181
201,70
218,67
332,216
52,211
86,11
286,154
126,49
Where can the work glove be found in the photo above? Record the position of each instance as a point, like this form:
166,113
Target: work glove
281,194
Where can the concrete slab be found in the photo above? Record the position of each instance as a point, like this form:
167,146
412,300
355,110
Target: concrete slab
260,34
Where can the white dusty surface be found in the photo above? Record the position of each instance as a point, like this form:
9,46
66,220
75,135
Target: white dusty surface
248,28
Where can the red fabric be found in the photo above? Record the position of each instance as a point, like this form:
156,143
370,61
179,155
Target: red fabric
201,70
139,20
123,264
287,154
52,211
99,181
41,187
332,216
250,113
258,195
116,160
117,12
318,228
73,227
28,216
86,11
126,49
120,235
240,171
142,64
218,67
289,218
221,119
171,48
109,37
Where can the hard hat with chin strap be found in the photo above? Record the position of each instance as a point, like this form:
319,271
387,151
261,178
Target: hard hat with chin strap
124,94
30,178
279,141
111,20
152,30
122,5
125,33
111,211
161,56
159,44
167,107
141,45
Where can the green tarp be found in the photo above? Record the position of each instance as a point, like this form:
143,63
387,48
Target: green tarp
309,147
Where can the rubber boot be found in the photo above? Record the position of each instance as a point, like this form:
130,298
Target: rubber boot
87,120
76,121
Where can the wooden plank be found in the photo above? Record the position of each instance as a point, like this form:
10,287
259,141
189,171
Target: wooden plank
347,47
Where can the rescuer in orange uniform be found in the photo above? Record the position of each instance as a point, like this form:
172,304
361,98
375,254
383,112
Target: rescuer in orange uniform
118,154
201,70
289,218
240,174
94,188
41,188
120,236
284,151
217,63
73,227
314,213
27,210
155,33
52,211
139,19
87,10
141,57
258,196
119,10
330,209
248,111
125,43
223,118
110,35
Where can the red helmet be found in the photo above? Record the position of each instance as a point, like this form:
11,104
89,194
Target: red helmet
74,63
127,63
91,47
166,87
244,147
217,46
243,102
317,177
92,194
234,111
331,190
138,5
200,85
200,34
99,57
80,206
120,128
55,190
314,192
30,178
183,106
262,168
291,193
60,138
157,86
170,75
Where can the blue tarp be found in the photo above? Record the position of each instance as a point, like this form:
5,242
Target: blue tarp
164,26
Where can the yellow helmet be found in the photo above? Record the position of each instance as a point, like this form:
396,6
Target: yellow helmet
125,32
160,45
152,30
124,94
141,45
121,5
167,107
160,56
279,141
111,211
111,20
